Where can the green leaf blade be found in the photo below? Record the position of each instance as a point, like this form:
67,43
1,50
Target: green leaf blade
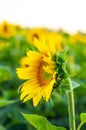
83,120
83,117
5,73
40,123
4,102
2,127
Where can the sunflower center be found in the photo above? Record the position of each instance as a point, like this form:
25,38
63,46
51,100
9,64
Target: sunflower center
5,28
36,36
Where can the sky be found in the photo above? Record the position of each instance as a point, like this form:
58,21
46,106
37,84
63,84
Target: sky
69,15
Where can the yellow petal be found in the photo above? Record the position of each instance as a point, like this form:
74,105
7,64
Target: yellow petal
37,98
34,58
24,73
28,97
42,47
34,55
48,69
31,89
23,94
24,61
48,89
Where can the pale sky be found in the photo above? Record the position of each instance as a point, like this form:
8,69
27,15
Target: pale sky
69,15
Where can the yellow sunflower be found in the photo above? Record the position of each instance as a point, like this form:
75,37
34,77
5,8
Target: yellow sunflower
35,32
19,30
38,68
75,38
83,39
55,38
7,30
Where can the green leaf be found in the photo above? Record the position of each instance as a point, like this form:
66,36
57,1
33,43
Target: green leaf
5,73
83,117
4,102
2,127
83,120
40,123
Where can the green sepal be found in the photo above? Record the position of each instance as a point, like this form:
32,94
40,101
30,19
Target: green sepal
67,83
64,51
60,67
74,84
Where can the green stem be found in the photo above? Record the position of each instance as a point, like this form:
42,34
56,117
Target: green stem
80,125
71,109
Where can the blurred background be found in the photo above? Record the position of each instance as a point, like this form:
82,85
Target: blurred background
63,22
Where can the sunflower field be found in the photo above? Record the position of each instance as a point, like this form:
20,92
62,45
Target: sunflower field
28,72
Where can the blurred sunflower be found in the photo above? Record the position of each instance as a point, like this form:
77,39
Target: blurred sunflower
82,38
35,32
75,38
56,38
38,67
19,30
7,30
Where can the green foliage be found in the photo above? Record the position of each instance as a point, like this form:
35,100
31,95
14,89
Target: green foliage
2,127
60,63
40,122
62,76
83,120
83,117
4,102
5,73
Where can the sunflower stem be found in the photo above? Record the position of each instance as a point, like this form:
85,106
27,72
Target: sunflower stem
71,109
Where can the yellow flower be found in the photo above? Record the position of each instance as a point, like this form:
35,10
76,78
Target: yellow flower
75,38
7,30
54,38
19,30
38,68
83,39
35,32
78,37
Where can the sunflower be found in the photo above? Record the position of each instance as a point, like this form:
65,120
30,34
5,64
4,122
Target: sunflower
20,31
56,38
38,68
75,38
7,30
35,32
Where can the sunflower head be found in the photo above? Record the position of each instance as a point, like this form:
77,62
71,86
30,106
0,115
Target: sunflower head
35,33
56,38
7,30
40,70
